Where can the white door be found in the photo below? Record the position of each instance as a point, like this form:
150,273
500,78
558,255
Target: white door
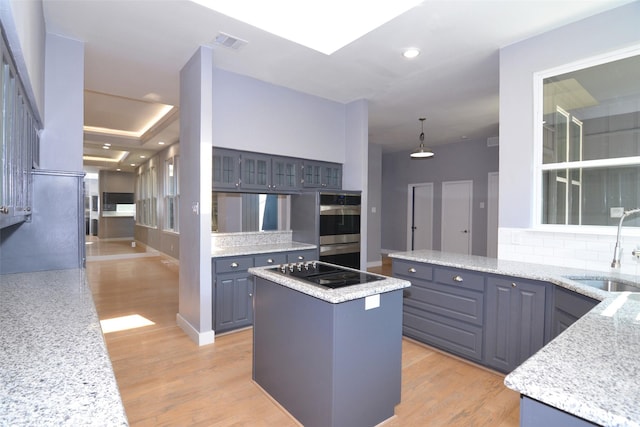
420,216
457,203
492,215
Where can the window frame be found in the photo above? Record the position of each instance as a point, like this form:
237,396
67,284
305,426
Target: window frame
539,167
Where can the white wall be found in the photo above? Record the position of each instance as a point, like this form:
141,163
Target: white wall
518,239
256,116
64,105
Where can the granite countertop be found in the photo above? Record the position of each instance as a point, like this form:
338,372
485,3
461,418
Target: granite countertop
590,370
334,296
54,365
264,248
548,273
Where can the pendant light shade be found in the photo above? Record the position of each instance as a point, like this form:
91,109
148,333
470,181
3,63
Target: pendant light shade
421,152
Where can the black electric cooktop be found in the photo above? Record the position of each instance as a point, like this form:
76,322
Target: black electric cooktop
326,275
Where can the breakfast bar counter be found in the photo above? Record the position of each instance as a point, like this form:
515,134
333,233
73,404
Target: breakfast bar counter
54,365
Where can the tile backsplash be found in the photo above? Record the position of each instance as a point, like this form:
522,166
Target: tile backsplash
577,250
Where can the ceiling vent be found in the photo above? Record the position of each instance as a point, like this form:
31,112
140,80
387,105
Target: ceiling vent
231,42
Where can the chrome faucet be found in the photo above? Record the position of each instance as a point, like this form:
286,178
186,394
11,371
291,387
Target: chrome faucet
616,251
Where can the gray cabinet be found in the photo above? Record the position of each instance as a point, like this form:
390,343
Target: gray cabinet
568,307
534,414
233,293
322,175
234,286
264,173
444,307
516,315
226,169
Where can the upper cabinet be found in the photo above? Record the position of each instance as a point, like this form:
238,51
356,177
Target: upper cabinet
257,172
322,175
18,146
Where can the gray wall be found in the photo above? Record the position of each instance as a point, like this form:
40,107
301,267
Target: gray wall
597,35
374,202
115,182
470,160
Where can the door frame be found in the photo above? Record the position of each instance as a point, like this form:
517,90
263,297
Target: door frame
410,188
493,181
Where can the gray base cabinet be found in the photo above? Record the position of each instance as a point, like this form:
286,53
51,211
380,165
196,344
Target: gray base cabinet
494,320
515,321
568,308
536,414
328,364
234,286
444,307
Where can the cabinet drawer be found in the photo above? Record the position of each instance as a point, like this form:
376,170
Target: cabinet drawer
459,278
457,337
270,259
227,265
445,300
302,256
411,269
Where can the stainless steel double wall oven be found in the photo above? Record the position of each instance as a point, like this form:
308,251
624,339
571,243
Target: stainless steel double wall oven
330,220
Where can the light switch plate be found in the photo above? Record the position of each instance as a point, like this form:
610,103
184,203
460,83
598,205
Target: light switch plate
616,212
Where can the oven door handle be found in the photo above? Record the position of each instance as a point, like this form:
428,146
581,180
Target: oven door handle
339,249
339,210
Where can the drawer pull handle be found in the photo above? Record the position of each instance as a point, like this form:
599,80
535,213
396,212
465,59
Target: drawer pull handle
300,257
513,284
412,270
270,261
234,265
458,279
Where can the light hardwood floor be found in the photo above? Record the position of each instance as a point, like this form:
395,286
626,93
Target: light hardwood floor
167,380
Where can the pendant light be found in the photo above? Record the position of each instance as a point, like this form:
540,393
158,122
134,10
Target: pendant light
421,152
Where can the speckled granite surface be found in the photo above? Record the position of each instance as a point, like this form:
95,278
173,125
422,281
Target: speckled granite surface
592,369
264,248
54,365
333,296
525,270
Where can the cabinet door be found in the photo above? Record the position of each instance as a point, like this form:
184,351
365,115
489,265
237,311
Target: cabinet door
568,307
515,321
234,301
285,174
312,174
256,172
226,169
332,176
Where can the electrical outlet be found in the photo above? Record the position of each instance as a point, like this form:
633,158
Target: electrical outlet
616,212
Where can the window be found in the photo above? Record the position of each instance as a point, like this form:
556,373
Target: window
590,166
172,194
146,197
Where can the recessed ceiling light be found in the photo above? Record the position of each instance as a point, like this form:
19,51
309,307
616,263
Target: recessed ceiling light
105,147
160,142
347,21
118,169
411,52
143,157
107,144
133,164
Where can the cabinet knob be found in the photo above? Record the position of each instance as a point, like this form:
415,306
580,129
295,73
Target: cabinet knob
513,284
458,279
412,270
250,294
301,257
4,209
270,261
234,265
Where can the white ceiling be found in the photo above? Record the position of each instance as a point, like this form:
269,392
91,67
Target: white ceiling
135,49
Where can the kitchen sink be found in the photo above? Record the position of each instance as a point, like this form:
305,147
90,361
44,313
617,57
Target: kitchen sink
607,284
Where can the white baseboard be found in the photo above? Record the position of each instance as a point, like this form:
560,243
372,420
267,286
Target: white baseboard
200,338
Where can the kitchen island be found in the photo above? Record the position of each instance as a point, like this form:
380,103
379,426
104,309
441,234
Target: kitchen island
55,369
330,357
584,376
